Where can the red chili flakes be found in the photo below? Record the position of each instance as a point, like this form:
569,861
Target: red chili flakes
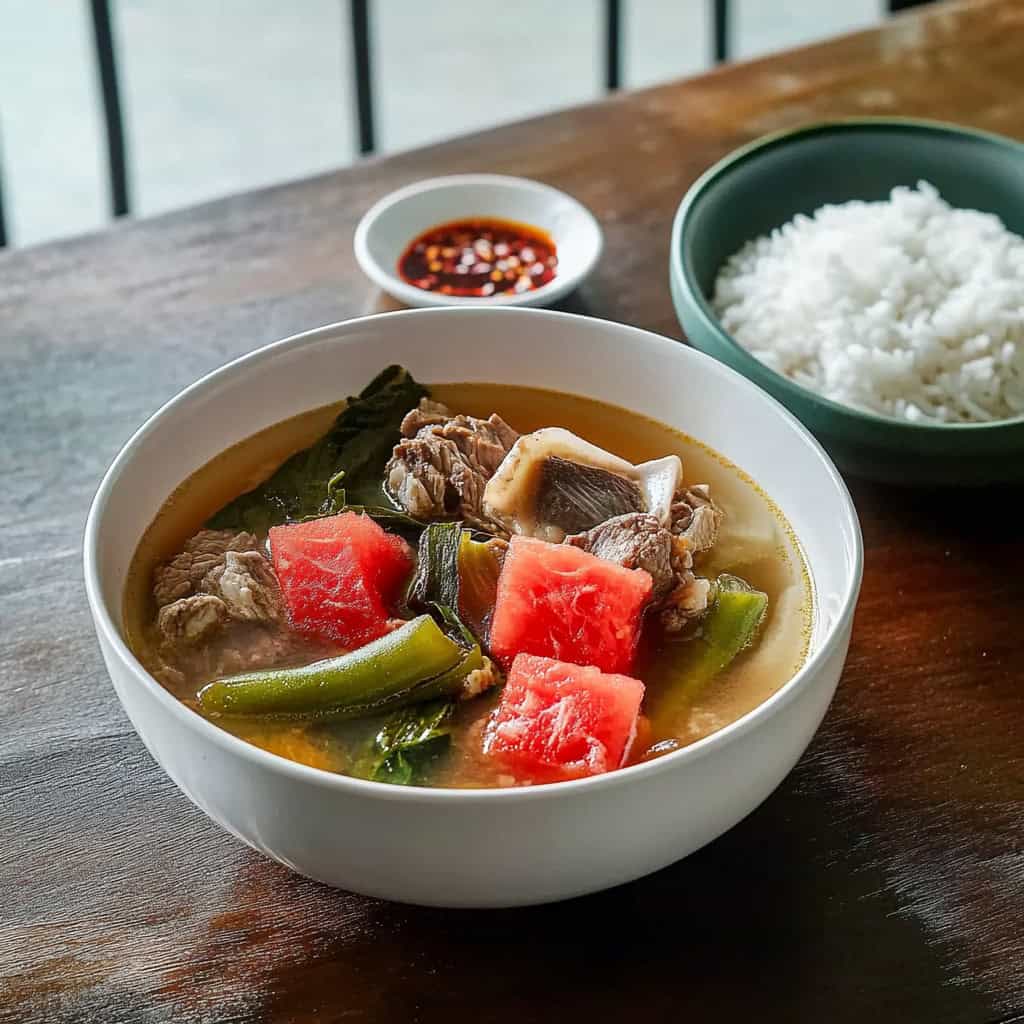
480,257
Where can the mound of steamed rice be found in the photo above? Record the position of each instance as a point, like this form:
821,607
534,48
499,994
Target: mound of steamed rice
909,307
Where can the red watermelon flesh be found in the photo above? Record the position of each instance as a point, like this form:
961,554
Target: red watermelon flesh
339,576
561,602
561,721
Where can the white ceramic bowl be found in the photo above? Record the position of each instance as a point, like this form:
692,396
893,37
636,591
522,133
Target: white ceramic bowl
480,848
390,225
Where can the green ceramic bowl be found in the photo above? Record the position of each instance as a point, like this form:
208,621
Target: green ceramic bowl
763,185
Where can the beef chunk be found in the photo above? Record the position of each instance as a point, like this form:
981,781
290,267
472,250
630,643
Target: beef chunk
183,575
636,540
191,619
229,648
687,601
245,649
219,578
483,443
440,471
427,414
172,678
690,595
696,518
246,583
221,612
480,680
417,477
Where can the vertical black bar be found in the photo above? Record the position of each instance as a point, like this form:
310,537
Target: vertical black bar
613,44
107,67
3,226
361,63
721,18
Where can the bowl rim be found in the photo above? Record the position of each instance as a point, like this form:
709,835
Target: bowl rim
386,279
681,265
194,722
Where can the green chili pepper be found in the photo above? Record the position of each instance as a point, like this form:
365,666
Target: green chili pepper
416,662
728,628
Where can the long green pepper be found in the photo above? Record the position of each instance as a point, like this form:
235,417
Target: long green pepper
417,662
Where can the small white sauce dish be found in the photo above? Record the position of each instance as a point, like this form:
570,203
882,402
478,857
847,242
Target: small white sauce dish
389,226
484,847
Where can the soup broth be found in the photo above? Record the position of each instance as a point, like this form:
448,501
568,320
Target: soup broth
754,542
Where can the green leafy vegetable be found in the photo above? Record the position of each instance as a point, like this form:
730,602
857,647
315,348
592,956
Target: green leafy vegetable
479,568
728,628
458,572
353,452
389,518
407,744
417,662
450,622
436,580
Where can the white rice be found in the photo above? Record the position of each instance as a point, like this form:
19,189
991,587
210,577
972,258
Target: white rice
909,307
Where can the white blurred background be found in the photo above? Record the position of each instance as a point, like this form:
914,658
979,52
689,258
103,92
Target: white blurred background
221,96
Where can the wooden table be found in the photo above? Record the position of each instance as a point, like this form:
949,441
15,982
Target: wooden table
884,881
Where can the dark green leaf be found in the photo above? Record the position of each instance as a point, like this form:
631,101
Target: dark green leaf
407,744
395,769
358,445
450,622
389,518
437,569
412,726
436,584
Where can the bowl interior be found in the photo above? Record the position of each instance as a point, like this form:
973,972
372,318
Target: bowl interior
766,186
421,207
616,364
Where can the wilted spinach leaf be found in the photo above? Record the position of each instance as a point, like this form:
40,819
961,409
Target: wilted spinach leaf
456,578
437,568
390,518
358,445
409,741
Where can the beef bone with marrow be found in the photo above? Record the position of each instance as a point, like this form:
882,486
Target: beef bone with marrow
553,483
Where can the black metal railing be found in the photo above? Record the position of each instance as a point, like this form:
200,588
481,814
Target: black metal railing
720,30
106,68
362,64
3,223
362,59
612,44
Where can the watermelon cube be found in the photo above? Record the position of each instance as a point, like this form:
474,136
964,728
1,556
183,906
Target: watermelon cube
561,602
561,721
339,576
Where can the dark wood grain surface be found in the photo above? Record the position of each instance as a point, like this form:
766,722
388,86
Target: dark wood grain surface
883,881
